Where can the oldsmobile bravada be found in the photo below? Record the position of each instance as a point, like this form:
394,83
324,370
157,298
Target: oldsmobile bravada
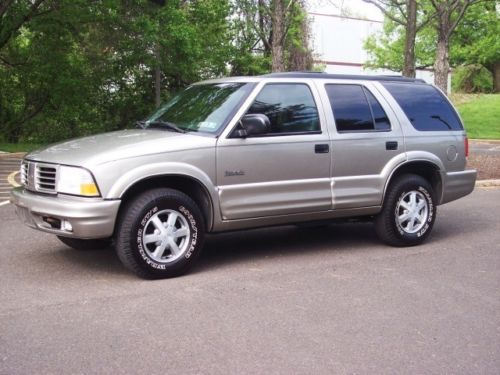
245,152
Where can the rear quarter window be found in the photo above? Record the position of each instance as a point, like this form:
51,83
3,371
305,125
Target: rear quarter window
426,108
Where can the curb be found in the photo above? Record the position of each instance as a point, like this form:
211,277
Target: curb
484,140
488,183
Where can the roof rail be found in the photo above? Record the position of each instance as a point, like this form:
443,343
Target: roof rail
307,74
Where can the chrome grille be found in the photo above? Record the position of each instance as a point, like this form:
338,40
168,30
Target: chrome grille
24,173
39,176
45,178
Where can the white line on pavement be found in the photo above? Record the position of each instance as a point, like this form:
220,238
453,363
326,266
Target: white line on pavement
4,203
11,180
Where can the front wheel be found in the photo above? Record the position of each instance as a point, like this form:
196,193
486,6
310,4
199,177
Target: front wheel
408,213
160,234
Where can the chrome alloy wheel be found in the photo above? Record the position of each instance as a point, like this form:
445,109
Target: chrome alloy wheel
412,211
166,236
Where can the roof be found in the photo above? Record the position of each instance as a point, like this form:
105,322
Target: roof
343,76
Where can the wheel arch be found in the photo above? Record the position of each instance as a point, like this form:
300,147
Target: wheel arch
188,185
424,168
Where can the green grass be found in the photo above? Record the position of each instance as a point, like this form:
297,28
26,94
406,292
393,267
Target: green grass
19,147
480,113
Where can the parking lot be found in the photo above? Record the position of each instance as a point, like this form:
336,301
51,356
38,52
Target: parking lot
278,300
9,165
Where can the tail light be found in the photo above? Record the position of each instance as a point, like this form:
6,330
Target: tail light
466,146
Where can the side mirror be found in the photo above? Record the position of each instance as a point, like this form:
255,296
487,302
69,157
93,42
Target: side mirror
252,125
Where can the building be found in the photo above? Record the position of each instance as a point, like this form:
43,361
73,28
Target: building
338,44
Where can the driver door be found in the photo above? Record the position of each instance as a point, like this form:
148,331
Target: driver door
285,171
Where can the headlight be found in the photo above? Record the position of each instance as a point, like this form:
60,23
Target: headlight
76,181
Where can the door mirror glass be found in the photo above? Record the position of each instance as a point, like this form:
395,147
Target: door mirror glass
252,125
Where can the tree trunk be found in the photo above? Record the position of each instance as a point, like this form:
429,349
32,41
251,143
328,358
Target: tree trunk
278,25
442,63
411,32
496,77
157,78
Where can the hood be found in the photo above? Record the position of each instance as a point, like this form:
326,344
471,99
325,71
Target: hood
108,147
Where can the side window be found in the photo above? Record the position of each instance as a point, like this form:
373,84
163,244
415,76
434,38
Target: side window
289,107
356,109
425,106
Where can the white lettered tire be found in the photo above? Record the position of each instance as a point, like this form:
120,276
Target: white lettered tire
408,213
160,234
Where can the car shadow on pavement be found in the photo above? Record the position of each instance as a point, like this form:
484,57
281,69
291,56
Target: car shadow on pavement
102,261
288,241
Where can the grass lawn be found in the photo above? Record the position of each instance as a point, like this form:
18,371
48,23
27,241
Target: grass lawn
19,147
480,113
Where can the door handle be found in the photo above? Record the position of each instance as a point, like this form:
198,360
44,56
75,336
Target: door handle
391,145
323,148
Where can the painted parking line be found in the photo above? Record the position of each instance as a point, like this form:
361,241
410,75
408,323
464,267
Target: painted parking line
9,169
11,179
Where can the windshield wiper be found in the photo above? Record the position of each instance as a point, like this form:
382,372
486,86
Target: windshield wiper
159,124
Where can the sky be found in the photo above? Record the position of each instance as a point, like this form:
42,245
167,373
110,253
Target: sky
355,8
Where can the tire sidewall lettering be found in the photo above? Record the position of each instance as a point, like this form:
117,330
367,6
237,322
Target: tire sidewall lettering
141,227
194,231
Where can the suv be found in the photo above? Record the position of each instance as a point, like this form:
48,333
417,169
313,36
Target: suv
245,152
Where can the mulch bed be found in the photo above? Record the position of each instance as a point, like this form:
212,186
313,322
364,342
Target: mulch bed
488,166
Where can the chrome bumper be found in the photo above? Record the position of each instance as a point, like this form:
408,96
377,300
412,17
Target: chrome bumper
89,218
458,184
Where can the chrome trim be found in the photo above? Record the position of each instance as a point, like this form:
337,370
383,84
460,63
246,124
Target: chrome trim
39,177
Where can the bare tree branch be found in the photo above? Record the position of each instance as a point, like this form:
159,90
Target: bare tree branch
383,9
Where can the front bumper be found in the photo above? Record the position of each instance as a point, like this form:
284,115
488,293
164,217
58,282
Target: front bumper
89,218
458,184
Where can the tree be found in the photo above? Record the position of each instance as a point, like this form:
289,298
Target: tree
278,30
404,13
14,14
432,42
449,13
477,42
81,67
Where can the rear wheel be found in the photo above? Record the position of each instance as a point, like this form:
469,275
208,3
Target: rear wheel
81,244
409,212
160,234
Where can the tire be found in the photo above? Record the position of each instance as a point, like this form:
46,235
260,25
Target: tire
85,245
408,213
160,234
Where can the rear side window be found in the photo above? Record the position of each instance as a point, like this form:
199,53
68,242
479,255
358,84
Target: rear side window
356,109
425,106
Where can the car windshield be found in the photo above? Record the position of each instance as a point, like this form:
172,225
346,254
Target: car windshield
200,108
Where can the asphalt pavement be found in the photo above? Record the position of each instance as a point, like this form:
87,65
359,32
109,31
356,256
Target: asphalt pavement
327,300
9,164
484,147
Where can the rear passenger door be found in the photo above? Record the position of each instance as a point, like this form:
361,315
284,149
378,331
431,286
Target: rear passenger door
366,140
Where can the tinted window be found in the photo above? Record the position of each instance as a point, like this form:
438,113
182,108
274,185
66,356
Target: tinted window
379,116
425,106
289,107
356,109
